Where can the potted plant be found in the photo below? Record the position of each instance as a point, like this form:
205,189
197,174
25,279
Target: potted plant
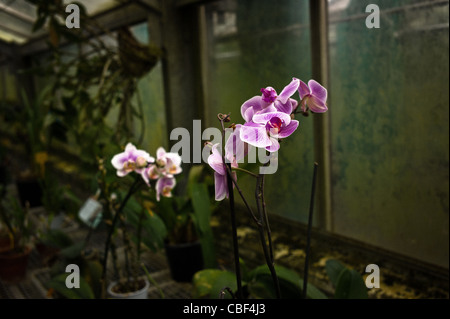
269,118
189,245
35,136
15,234
56,219
127,213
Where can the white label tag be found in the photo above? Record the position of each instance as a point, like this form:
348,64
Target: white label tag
91,212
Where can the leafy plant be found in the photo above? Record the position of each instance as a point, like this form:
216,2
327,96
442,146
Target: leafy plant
256,283
71,252
14,218
187,216
127,208
348,283
90,82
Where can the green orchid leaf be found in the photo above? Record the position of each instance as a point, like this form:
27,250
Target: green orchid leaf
291,284
73,251
154,232
350,285
334,269
58,283
209,283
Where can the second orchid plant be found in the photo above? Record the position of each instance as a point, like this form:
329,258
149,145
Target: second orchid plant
160,171
268,118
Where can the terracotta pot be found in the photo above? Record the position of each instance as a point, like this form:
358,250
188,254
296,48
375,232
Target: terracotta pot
184,260
139,294
13,265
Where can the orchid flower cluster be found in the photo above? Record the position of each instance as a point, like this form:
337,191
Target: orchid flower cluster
268,119
162,169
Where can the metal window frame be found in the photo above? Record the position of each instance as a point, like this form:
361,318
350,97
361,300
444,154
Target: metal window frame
320,72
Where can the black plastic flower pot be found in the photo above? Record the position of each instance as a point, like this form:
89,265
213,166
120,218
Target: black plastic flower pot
29,191
184,260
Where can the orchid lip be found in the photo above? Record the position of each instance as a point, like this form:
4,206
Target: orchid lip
269,94
129,165
274,124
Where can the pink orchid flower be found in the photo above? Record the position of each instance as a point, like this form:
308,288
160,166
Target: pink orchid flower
313,96
269,101
131,160
164,187
265,129
220,173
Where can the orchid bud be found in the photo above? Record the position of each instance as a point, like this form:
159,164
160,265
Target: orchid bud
141,162
160,163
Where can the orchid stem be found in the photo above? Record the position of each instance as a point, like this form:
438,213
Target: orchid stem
308,236
235,240
243,198
266,217
132,189
232,212
244,170
269,259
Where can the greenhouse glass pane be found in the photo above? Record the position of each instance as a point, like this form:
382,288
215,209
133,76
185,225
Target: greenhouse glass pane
253,45
389,115
150,94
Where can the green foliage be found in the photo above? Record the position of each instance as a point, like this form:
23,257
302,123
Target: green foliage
202,211
211,283
149,227
348,283
56,238
15,219
90,287
71,252
188,217
291,284
58,283
94,84
35,133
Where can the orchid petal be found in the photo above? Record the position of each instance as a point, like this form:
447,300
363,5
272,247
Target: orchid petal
215,160
122,172
235,147
175,160
161,184
318,91
248,114
144,155
130,148
294,104
255,103
145,176
275,146
118,160
160,152
220,185
255,135
266,117
288,91
316,105
288,129
286,107
303,90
